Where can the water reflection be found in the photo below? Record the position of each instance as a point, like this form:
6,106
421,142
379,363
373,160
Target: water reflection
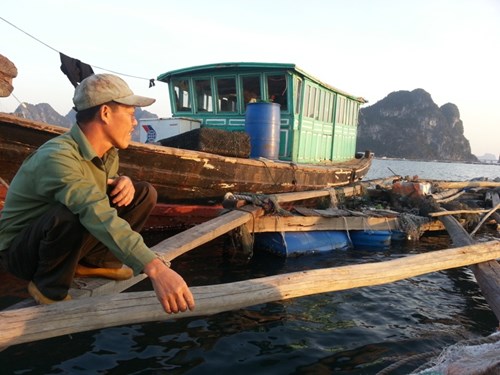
358,331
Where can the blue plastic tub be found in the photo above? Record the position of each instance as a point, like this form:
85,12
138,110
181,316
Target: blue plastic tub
292,244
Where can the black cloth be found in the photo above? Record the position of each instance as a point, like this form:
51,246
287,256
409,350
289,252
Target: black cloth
74,69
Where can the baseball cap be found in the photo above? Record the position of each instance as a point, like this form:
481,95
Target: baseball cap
98,89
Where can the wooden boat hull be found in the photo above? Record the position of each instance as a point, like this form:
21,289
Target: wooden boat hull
183,175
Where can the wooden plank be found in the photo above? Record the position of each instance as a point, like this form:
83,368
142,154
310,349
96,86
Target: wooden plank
189,239
171,248
45,321
487,274
457,212
311,194
465,184
312,223
348,191
448,195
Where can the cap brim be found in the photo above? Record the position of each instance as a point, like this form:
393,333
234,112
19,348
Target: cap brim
135,100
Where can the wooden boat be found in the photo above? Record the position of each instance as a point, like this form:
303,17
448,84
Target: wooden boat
311,138
181,175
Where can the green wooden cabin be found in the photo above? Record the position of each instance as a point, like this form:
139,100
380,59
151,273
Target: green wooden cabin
318,121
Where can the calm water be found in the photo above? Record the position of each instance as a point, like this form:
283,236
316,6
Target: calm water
433,170
360,331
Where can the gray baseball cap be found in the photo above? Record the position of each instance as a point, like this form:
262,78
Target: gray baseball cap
98,89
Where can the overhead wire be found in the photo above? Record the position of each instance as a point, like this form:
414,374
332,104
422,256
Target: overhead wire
150,80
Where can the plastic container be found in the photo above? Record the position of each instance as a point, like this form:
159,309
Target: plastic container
411,189
262,124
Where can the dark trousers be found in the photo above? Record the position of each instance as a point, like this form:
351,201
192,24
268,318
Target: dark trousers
49,249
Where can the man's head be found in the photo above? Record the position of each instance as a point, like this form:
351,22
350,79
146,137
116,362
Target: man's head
104,88
105,108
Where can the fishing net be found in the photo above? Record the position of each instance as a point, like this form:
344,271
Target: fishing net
481,357
412,225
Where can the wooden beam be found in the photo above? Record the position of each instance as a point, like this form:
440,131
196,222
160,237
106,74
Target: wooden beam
311,194
45,321
445,198
171,248
456,212
487,274
465,184
312,223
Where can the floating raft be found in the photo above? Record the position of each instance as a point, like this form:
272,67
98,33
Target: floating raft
102,310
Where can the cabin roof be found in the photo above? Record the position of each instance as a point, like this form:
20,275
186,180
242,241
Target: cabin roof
165,77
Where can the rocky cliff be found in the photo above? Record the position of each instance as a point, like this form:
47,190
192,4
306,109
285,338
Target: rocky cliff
405,124
43,112
408,124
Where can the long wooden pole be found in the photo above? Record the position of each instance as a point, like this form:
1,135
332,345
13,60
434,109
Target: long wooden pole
173,247
189,239
487,273
465,184
45,321
457,212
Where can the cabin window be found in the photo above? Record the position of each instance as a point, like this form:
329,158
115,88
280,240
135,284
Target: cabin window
340,110
331,106
251,89
326,106
226,95
350,112
277,90
312,100
204,98
298,94
306,100
356,113
182,97
320,105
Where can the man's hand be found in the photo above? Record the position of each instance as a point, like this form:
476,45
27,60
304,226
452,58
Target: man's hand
170,288
123,191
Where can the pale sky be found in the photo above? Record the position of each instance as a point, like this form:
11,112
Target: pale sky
369,48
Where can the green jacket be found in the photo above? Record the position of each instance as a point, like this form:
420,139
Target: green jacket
66,169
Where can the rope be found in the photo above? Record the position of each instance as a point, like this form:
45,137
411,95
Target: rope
347,231
386,219
54,49
268,202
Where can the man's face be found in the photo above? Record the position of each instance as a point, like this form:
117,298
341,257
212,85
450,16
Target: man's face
121,126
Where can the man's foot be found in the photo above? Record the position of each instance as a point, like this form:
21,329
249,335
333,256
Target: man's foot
40,298
123,273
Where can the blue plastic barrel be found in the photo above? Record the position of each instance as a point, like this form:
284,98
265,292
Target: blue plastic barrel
262,124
